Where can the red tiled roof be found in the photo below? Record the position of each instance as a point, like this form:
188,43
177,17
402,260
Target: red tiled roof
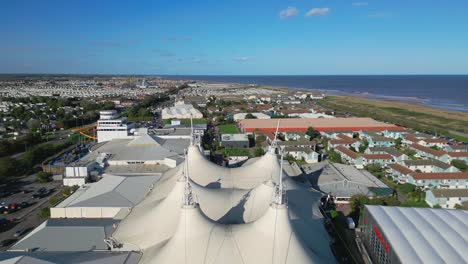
435,140
440,175
319,124
345,137
412,138
434,152
458,154
347,152
377,156
400,168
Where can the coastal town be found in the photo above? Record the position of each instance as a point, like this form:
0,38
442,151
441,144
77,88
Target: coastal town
88,154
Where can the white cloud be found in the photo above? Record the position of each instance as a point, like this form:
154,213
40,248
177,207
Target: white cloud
242,59
318,11
360,4
288,12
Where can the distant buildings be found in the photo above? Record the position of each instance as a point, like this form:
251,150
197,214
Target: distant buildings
180,110
241,116
449,180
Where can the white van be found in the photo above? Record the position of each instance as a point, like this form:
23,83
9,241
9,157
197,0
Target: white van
350,222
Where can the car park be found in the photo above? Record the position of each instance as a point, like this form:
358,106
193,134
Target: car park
19,232
7,242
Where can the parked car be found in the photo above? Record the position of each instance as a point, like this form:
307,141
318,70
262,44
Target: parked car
42,192
7,242
19,232
23,205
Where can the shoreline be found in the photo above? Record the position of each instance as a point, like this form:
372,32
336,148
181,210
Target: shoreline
427,102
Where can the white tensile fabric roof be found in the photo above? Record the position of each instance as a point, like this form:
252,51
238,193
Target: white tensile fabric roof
424,235
207,174
234,222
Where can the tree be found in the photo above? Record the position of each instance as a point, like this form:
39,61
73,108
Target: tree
258,152
363,145
43,177
398,143
358,201
7,168
352,149
44,213
334,157
250,116
459,164
459,206
312,133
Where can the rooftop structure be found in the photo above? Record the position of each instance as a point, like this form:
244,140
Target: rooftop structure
181,110
75,257
415,235
263,230
320,124
111,126
111,197
68,235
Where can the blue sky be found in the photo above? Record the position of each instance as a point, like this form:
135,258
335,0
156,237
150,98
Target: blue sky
234,37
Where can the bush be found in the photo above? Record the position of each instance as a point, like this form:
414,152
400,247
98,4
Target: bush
44,213
459,164
258,152
43,177
53,200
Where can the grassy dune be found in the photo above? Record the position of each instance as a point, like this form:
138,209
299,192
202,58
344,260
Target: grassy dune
418,117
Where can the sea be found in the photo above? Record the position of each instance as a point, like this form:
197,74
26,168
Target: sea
449,92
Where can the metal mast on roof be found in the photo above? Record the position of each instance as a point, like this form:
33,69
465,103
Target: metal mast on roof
274,143
191,130
188,195
279,198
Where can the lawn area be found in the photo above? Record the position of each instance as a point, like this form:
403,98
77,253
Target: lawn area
234,152
422,118
228,129
411,203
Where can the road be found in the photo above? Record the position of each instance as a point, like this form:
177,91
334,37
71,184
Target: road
27,218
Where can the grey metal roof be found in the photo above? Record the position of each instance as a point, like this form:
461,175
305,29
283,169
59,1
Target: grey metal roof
423,235
68,235
92,257
450,192
427,162
112,191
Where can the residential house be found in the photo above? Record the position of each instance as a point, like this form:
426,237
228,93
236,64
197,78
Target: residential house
425,152
433,142
382,159
395,134
429,165
396,154
448,157
456,148
436,180
376,140
300,153
447,198
343,140
399,172
350,157
333,134
295,136
301,143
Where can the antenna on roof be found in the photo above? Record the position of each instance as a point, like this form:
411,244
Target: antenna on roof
274,143
188,195
279,198
191,130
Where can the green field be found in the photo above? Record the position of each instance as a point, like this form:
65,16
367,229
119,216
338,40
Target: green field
228,129
421,118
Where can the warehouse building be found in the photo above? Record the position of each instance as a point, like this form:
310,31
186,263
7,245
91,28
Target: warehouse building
415,235
354,124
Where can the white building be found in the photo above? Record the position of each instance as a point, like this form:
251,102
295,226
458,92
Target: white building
241,116
112,126
182,111
447,198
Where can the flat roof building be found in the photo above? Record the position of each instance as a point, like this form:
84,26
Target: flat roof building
415,235
319,124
